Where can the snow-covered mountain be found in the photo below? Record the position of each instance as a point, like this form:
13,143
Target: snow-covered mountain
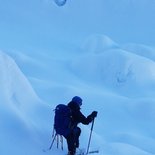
100,50
20,112
113,79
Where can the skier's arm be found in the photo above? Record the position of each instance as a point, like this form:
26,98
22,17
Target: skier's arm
88,119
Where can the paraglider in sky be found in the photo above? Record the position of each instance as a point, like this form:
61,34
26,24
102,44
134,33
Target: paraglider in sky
60,2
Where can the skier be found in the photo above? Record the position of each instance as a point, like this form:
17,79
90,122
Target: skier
77,117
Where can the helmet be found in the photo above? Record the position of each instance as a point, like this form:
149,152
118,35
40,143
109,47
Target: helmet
77,100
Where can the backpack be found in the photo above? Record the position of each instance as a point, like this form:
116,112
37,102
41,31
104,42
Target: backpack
62,120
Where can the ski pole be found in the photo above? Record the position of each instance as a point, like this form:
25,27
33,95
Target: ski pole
52,141
90,137
61,142
45,150
57,141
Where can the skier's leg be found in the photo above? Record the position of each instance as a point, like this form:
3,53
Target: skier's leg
77,135
71,144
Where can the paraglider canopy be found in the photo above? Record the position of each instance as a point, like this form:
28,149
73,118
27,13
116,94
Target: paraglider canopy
60,2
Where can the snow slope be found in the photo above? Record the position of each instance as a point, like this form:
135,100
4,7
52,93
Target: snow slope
52,53
113,79
20,111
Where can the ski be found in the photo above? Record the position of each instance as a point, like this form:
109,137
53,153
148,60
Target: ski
90,152
95,151
79,153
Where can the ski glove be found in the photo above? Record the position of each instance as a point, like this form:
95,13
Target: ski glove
94,114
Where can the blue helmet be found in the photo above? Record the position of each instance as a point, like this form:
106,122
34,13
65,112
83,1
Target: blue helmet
77,100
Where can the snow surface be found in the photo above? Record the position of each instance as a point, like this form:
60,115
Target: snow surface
38,72
117,82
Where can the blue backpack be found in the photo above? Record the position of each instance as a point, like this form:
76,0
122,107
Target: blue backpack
62,120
